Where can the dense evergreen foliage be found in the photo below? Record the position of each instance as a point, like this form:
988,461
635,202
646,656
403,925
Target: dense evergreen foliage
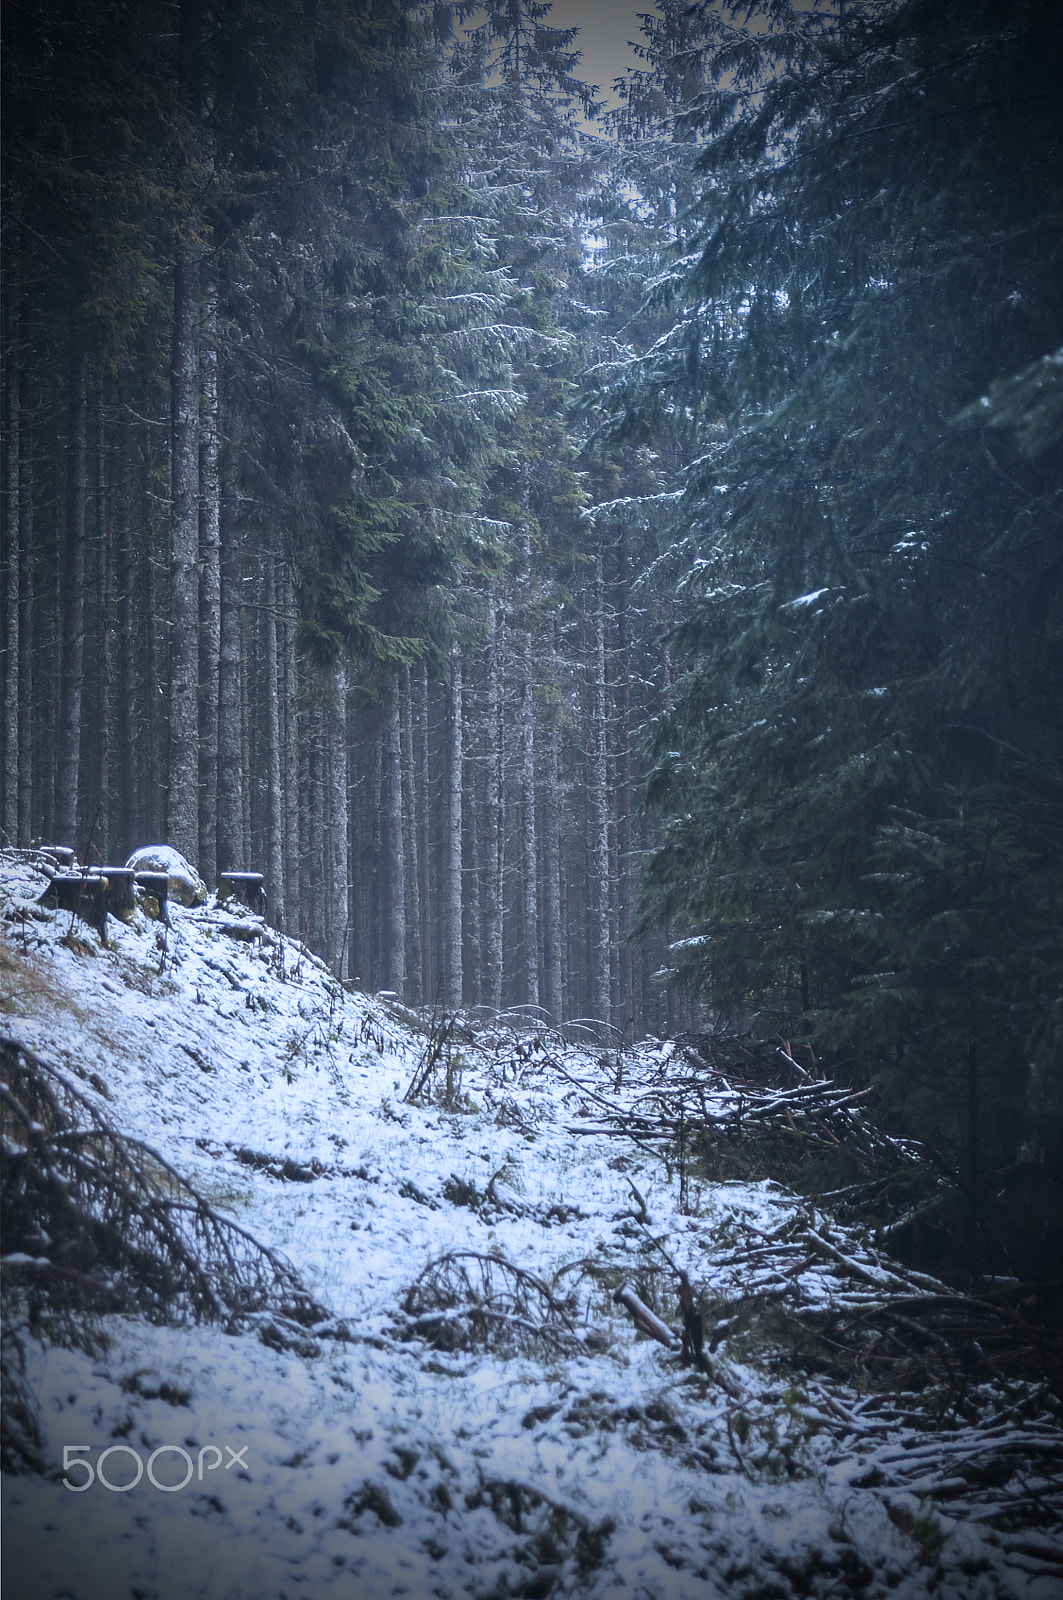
861,772
387,442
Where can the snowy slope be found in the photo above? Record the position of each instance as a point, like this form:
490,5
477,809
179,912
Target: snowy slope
579,1459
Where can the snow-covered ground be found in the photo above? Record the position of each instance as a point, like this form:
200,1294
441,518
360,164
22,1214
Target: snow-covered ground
581,1460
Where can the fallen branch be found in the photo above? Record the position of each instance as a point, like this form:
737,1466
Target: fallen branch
625,1296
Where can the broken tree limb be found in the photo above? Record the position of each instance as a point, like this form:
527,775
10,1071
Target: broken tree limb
625,1296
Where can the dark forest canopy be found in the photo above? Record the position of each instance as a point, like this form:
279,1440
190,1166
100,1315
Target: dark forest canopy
567,558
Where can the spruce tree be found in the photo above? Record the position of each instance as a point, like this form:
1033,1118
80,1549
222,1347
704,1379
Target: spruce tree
859,776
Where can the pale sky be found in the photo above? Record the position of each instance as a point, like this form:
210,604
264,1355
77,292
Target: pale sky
605,26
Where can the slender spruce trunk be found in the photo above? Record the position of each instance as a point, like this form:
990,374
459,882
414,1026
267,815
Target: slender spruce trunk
624,840
394,845
553,990
12,568
529,875
182,811
427,894
152,602
338,823
473,966
126,639
274,792
672,996
599,806
230,849
290,719
494,832
68,744
105,643
410,806
452,919
209,583
27,675
315,875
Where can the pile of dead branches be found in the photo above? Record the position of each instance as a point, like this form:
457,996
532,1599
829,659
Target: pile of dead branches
766,1115
955,1399
466,1300
98,1222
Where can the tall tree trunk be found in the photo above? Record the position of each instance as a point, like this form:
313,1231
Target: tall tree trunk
338,821
624,842
290,716
672,994
427,893
105,645
394,846
123,540
182,812
68,752
494,832
553,995
529,874
317,892
452,921
230,855
599,803
27,776
410,841
153,602
209,584
274,794
473,966
12,568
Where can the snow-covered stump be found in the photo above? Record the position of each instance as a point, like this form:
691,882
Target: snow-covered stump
249,888
119,881
83,896
155,886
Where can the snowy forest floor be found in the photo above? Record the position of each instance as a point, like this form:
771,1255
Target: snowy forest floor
466,1409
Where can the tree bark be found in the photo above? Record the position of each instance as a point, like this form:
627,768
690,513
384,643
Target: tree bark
68,751
105,643
395,846
182,812
472,964
275,901
338,821
624,842
230,851
452,942
527,831
12,568
290,718
491,986
599,829
410,806
315,874
209,584
427,889
26,668
553,991
126,650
